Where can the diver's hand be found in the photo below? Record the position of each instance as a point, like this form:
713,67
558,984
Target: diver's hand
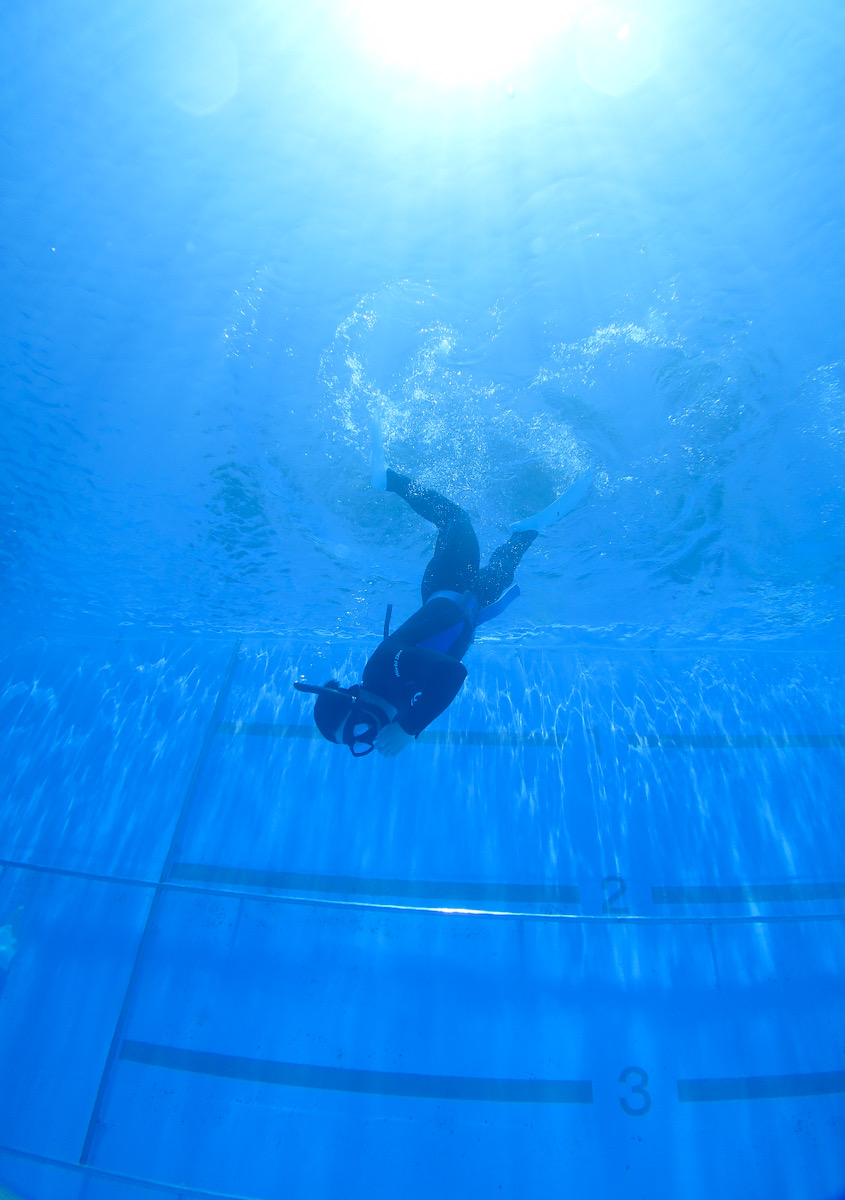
392,740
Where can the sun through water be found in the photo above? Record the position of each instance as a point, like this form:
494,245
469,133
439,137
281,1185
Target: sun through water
470,43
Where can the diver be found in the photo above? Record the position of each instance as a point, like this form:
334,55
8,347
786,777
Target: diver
416,672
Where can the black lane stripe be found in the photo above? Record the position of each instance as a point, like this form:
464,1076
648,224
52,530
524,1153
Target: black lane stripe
754,893
259,729
374,1083
430,737
704,741
351,885
761,1087
174,888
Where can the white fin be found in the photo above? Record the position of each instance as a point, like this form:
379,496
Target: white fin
378,466
559,508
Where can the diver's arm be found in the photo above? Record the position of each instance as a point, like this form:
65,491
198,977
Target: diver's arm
433,681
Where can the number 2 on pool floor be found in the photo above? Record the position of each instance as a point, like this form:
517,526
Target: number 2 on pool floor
638,1088
609,905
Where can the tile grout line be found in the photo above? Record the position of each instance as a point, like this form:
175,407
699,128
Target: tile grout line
180,1192
159,893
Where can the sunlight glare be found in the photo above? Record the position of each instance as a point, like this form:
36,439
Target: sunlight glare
461,42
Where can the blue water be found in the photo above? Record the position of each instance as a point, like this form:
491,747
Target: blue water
527,280
534,241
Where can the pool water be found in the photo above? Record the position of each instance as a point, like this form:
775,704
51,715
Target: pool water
585,937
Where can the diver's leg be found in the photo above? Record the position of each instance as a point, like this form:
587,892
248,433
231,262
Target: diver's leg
454,566
425,501
498,574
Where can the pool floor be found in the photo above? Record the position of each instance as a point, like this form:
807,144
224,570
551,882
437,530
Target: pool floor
585,938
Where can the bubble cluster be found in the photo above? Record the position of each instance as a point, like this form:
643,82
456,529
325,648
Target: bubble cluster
447,417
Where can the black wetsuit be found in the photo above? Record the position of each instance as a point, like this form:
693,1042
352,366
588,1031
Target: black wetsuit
418,668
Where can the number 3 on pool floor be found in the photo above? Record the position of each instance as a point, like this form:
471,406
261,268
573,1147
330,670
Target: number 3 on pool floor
637,1080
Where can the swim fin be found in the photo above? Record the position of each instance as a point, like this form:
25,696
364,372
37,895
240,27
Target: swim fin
378,466
558,508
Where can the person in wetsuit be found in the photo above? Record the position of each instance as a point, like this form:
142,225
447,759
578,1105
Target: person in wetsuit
416,672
